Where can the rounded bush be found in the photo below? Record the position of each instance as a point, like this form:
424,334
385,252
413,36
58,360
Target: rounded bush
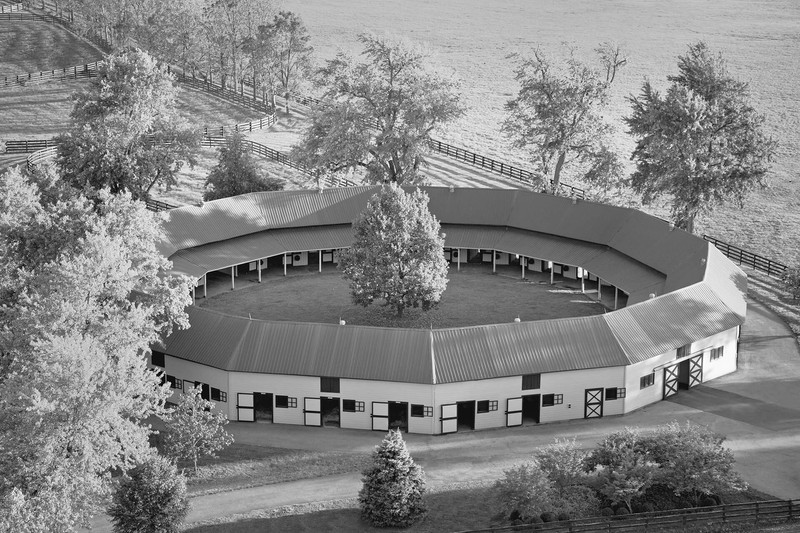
549,516
648,507
563,516
536,520
606,511
622,511
707,501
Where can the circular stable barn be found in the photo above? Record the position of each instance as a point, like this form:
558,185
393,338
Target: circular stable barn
684,303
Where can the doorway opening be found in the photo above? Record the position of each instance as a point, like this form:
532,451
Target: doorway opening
531,404
398,416
683,375
262,406
466,415
330,412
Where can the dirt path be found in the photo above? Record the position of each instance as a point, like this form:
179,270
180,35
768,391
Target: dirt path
767,448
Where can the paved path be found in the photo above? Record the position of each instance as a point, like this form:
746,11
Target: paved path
758,407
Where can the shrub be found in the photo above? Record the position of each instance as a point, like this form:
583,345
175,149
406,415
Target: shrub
237,173
523,489
563,463
150,499
791,277
606,511
562,516
2,146
622,510
549,516
392,494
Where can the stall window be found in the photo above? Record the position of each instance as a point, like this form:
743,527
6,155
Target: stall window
174,382
285,402
716,353
683,351
157,358
218,395
549,400
417,410
531,381
329,385
615,393
647,381
352,406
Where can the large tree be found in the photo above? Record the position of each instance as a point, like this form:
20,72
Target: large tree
396,255
701,143
83,297
126,133
379,113
558,116
237,173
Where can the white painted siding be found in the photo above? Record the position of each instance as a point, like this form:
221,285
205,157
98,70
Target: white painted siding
570,272
725,364
498,389
191,372
386,391
573,386
298,387
535,265
636,397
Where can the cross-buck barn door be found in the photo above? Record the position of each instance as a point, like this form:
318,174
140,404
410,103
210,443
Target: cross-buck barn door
670,381
244,407
593,408
312,412
449,418
696,370
514,412
380,416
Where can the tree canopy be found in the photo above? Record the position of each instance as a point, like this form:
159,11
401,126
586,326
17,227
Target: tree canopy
701,143
83,297
237,173
557,116
397,252
379,113
125,131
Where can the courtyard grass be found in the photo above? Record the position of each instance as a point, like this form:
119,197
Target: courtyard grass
474,296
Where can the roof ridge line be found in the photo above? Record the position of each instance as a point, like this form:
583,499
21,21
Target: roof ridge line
433,358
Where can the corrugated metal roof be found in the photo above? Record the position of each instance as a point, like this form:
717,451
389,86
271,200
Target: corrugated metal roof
360,352
656,326
465,354
703,292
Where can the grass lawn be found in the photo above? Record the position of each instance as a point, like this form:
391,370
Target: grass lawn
32,46
759,39
473,297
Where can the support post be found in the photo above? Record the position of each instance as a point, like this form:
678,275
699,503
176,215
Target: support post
494,262
233,284
259,270
616,297
550,264
583,279
205,285
194,295
599,289
320,261
284,264
522,264
458,264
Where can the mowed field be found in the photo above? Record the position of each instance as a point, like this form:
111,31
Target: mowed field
760,39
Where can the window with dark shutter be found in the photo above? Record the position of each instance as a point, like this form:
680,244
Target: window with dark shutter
417,410
157,358
329,385
531,381
483,406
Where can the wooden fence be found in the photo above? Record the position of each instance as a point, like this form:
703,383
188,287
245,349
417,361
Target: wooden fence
26,147
206,84
88,70
6,8
744,257
683,520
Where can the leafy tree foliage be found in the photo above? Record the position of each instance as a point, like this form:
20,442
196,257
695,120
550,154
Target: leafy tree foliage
524,491
236,173
83,296
380,112
693,461
151,498
791,277
194,430
392,494
283,53
396,255
701,143
558,116
126,134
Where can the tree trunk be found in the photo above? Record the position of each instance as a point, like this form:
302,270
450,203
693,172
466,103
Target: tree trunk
287,102
557,172
400,311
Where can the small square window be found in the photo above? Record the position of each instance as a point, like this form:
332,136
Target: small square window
282,402
549,400
493,405
174,382
215,394
349,406
157,358
716,353
329,385
483,406
615,393
417,410
428,410
531,381
647,381
223,396
359,407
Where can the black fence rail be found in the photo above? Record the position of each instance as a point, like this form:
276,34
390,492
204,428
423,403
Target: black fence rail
684,520
330,180
159,205
744,257
87,70
39,156
28,146
221,131
207,84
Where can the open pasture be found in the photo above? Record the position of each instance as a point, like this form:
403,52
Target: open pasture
760,39
473,297
32,46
